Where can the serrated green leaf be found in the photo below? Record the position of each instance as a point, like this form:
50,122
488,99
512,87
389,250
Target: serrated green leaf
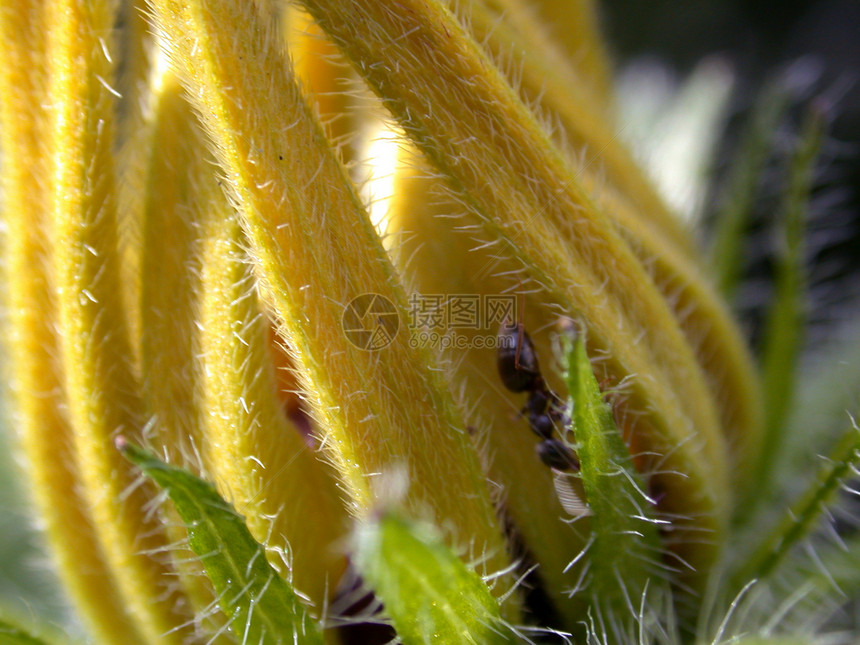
262,607
624,538
428,592
803,516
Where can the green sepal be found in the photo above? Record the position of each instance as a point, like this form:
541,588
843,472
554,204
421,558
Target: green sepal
262,607
624,547
428,592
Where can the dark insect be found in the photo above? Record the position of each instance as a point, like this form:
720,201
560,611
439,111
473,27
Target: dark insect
545,412
556,455
517,361
519,370
542,425
538,402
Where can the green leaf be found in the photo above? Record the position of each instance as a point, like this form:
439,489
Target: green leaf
428,592
262,607
624,541
803,516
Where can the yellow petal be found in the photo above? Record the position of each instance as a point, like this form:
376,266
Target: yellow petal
315,250
173,169
471,125
30,334
102,390
259,459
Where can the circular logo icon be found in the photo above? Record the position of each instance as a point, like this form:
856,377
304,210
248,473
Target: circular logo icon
370,321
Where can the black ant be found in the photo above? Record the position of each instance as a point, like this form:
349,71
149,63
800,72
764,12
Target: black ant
519,370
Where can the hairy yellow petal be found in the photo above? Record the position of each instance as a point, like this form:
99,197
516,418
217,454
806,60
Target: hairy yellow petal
708,326
135,58
553,83
625,195
178,170
315,250
329,82
262,462
175,167
30,340
454,104
574,27
102,390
